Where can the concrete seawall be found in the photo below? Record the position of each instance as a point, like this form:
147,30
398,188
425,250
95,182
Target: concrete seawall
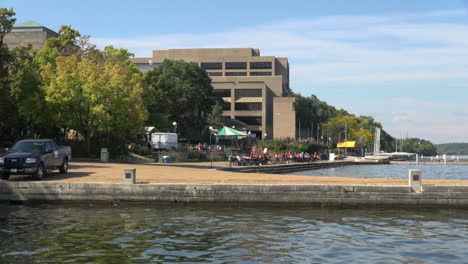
299,166
235,193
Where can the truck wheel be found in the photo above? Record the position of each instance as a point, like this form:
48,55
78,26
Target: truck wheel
5,176
64,167
40,172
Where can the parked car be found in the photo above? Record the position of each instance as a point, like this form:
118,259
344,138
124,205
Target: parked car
34,157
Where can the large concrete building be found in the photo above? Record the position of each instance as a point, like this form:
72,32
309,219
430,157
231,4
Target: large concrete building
255,88
29,33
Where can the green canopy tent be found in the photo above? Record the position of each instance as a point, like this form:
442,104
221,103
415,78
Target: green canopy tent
226,131
230,134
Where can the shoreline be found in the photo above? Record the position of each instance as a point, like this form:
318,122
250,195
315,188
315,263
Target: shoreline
197,183
235,193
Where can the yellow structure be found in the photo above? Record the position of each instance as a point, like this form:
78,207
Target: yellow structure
347,144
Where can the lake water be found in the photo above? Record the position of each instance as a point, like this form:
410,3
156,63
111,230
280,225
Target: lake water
188,233
453,172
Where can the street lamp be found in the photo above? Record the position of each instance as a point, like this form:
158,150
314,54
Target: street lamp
211,151
175,126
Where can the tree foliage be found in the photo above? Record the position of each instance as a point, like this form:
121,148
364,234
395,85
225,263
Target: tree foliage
453,148
215,118
311,112
419,146
180,92
98,92
10,121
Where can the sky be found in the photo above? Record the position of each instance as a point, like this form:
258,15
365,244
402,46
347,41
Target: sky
403,62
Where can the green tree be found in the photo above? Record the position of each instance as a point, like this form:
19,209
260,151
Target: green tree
94,91
25,82
311,112
8,110
336,128
419,146
215,118
180,92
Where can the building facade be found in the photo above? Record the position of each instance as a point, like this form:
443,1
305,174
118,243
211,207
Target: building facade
29,33
255,88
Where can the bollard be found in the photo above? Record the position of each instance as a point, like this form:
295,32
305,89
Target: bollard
129,176
415,180
417,159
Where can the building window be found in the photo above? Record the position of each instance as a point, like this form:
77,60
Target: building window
248,106
215,73
212,65
236,73
248,93
147,66
260,74
250,120
227,106
260,65
236,65
222,92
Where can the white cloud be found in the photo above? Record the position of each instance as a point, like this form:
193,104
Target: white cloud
401,117
401,50
341,48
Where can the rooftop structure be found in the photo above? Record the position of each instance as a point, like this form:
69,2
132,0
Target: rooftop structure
29,33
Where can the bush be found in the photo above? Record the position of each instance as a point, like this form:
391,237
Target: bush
142,151
194,156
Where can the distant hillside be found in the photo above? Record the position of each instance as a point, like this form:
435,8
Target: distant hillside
453,148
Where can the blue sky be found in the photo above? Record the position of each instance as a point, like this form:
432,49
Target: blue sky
403,62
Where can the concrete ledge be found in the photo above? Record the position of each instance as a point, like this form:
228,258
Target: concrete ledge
298,166
235,193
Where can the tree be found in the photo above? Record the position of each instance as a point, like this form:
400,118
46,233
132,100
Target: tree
215,118
25,90
180,92
419,146
94,91
311,111
8,110
336,128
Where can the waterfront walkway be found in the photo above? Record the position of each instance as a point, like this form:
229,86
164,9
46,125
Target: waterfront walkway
201,173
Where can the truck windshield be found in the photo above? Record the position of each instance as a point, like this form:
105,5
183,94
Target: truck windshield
28,146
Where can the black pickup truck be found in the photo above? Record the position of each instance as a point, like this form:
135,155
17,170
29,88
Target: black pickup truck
34,157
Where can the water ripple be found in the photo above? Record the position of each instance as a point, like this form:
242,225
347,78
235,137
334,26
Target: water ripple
230,234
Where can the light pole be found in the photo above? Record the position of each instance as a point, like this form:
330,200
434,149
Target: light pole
175,126
211,151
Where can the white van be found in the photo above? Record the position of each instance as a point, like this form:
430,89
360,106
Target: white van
164,141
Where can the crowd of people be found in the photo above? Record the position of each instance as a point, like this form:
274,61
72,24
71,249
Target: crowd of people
276,158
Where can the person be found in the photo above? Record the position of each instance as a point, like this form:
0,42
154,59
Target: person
230,159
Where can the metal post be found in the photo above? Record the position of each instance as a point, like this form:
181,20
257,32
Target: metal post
346,139
211,151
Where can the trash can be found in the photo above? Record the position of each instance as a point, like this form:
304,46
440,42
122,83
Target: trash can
160,157
166,159
104,155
